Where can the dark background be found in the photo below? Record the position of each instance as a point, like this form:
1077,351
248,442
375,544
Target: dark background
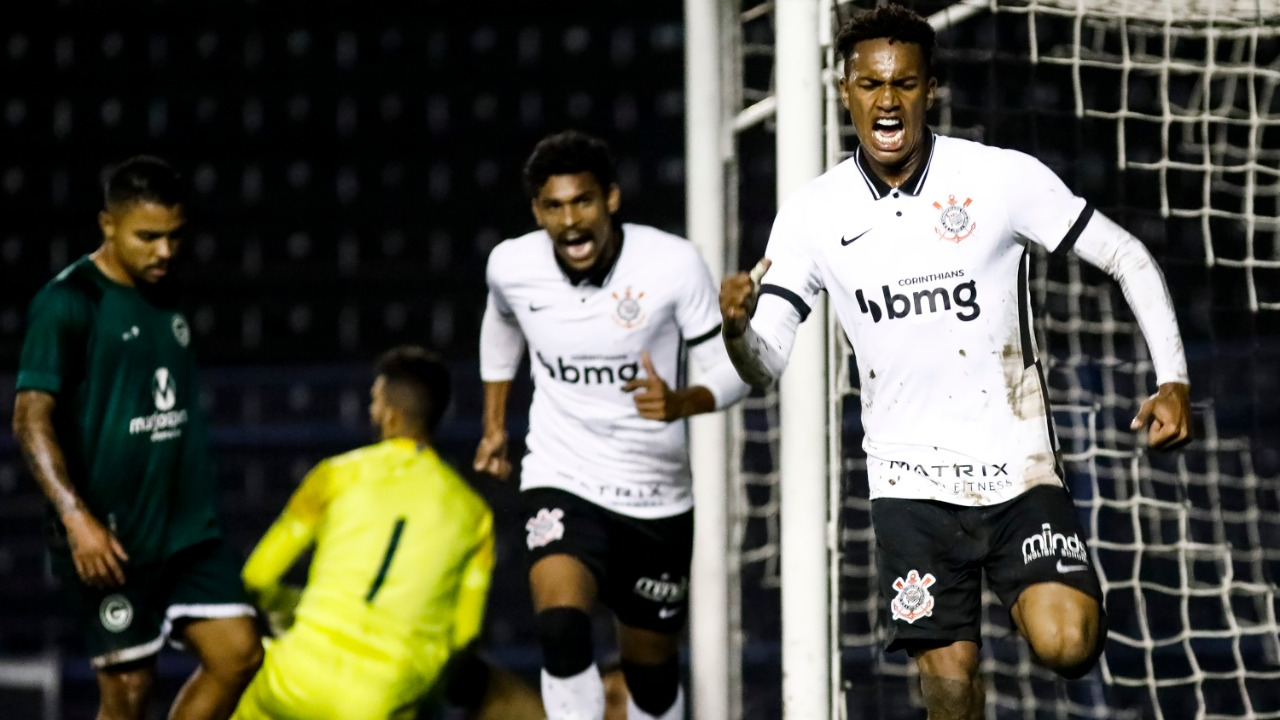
354,163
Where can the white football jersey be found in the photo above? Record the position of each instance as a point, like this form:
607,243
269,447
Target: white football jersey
929,282
584,343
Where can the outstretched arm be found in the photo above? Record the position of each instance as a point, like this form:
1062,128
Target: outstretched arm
291,533
1109,247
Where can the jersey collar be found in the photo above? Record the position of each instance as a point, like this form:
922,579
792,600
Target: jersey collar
596,274
912,186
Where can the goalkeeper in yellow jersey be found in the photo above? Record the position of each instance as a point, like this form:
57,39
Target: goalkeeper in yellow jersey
400,571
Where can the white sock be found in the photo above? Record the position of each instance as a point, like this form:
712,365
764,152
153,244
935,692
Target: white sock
577,697
675,712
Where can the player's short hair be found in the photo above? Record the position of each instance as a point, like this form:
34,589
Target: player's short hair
417,382
569,153
143,178
895,22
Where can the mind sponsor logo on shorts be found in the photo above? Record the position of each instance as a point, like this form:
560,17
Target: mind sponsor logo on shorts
1048,543
662,589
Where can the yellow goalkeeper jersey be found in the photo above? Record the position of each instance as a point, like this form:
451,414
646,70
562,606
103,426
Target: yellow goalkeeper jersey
403,553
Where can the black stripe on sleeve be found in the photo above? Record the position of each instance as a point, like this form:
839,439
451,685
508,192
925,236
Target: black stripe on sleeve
1024,315
789,296
703,337
1073,234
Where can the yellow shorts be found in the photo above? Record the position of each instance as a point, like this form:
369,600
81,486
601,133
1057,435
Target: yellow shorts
310,675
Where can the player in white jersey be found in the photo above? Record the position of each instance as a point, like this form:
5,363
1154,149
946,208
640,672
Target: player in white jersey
608,311
921,242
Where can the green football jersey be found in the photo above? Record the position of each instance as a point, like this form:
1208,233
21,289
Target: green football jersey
120,366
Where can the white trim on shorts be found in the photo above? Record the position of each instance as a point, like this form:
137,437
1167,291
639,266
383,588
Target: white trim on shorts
129,654
206,611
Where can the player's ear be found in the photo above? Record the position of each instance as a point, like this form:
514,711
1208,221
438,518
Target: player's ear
842,85
107,223
932,93
537,212
614,198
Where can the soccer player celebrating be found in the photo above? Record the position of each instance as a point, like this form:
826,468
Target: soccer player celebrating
607,310
108,418
921,241
401,565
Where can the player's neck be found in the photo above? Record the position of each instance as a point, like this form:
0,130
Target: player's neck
108,264
895,176
421,440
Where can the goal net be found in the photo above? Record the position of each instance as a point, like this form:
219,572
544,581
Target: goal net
1165,115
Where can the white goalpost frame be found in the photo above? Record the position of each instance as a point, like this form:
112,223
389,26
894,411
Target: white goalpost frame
803,413
715,650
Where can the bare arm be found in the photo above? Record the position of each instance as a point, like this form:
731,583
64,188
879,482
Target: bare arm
491,454
97,554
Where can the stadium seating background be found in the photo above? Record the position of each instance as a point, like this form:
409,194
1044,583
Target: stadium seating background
353,165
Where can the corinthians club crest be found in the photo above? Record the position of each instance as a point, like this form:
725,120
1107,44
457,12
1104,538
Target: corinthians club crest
913,600
955,223
629,314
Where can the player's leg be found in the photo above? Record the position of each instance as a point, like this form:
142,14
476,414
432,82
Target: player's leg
565,544
1041,569
1065,627
648,591
230,652
487,691
123,633
210,614
950,682
929,561
651,667
125,690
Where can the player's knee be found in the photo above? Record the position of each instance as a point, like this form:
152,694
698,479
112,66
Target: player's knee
653,687
1072,649
236,663
124,694
952,698
565,634
467,679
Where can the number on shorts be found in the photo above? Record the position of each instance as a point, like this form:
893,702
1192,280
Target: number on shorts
386,560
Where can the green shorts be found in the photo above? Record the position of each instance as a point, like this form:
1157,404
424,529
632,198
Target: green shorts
131,622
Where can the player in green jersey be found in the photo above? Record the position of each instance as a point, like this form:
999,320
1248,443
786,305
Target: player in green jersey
107,417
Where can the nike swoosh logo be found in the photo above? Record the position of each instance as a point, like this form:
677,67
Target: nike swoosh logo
536,308
1070,568
666,612
851,240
